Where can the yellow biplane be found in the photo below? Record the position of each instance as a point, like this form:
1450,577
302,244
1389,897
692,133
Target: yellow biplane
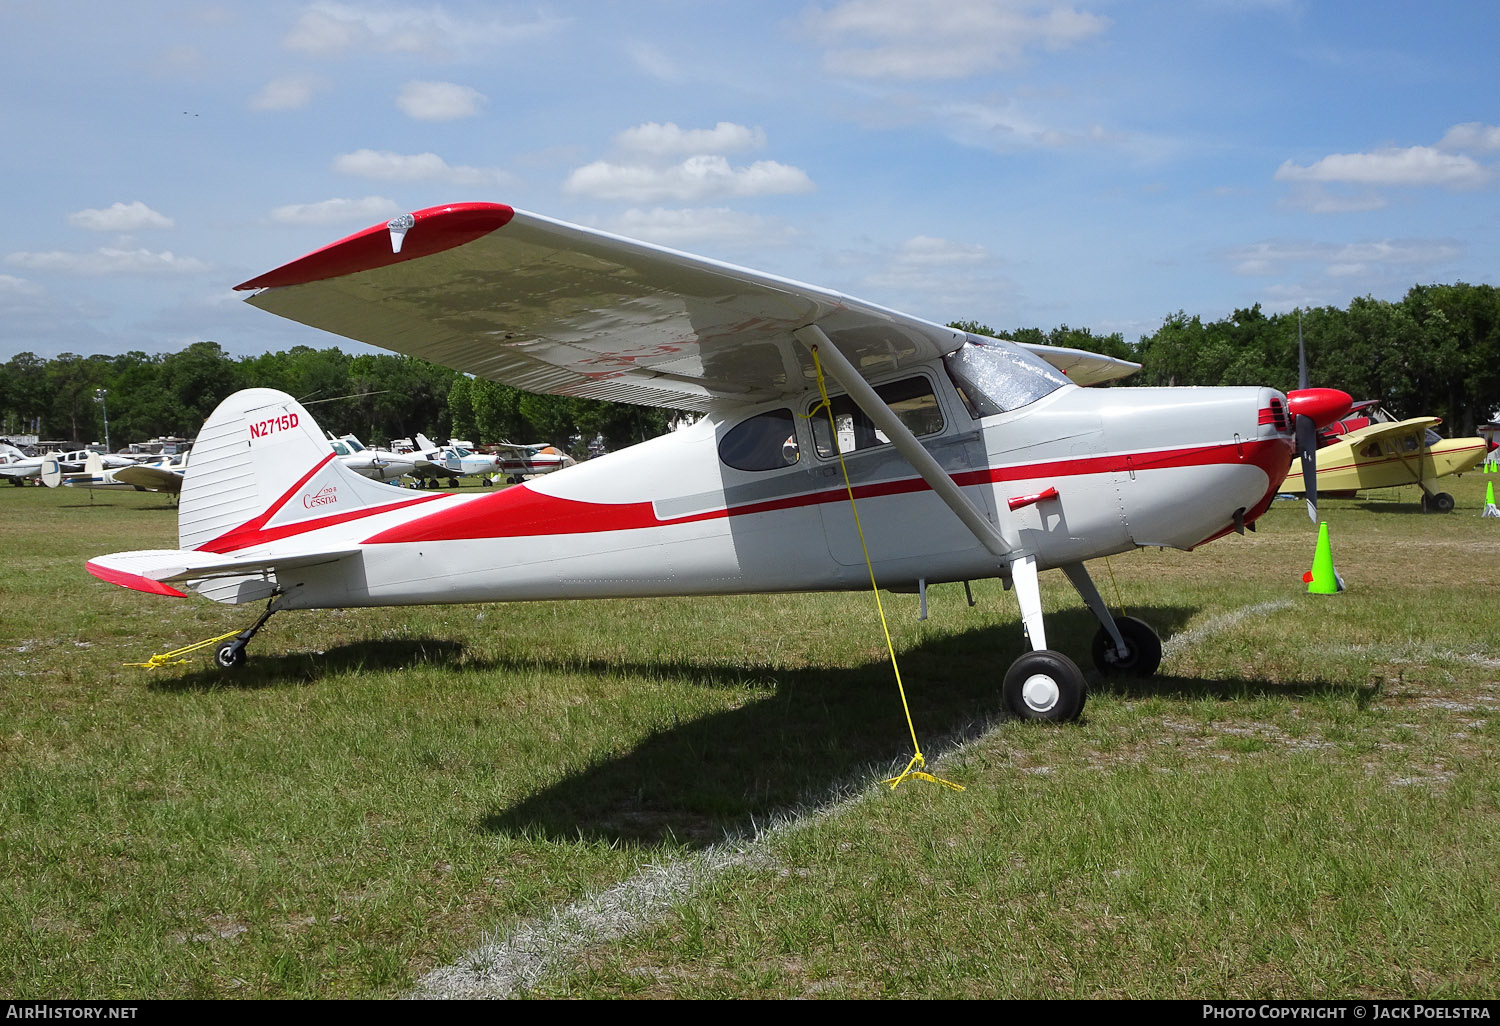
1389,453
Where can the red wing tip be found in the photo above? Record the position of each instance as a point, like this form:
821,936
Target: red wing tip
432,230
133,581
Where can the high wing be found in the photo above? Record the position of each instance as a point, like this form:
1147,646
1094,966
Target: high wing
156,479
548,306
1381,430
1081,366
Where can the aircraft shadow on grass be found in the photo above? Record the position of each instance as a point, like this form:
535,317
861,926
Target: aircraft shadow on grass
699,781
720,776
268,670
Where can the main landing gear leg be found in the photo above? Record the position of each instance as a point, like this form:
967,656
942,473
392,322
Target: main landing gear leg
231,654
1123,644
1042,684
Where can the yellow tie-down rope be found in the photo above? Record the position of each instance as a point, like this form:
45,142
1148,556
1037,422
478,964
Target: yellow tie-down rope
174,657
916,760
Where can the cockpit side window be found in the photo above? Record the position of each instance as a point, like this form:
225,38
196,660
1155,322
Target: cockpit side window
993,376
910,399
767,441
340,449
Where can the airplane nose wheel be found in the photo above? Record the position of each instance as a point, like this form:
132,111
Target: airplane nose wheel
1142,649
1045,685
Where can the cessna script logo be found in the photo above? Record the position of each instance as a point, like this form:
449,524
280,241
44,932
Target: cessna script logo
325,497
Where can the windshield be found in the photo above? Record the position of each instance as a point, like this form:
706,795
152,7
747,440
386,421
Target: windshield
993,376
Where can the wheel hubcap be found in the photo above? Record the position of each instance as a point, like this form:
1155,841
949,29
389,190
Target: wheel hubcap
1040,692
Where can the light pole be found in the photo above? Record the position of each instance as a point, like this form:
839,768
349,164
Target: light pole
99,397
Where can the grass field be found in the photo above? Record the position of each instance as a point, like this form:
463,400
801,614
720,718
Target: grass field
1303,803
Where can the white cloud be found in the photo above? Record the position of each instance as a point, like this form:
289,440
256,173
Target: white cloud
119,217
10,285
1415,165
926,272
326,29
653,61
383,165
1343,259
1471,135
289,92
439,101
694,179
108,261
928,251
670,141
336,211
939,39
1313,197
682,228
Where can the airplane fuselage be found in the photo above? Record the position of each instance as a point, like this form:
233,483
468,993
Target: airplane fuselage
1130,467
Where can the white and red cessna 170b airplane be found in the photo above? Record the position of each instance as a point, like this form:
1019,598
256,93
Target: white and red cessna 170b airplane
969,457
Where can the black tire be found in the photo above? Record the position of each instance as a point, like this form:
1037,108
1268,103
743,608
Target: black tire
1442,502
1142,649
1045,685
230,655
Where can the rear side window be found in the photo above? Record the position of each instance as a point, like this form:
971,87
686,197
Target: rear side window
767,441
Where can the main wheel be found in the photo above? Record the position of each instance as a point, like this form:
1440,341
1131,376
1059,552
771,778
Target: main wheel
230,655
1045,685
1442,502
1142,648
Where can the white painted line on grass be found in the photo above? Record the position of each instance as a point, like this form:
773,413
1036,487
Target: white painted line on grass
505,965
1189,638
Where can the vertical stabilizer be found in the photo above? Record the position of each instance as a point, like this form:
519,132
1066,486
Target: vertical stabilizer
262,470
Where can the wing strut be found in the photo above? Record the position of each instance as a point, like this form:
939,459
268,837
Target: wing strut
1003,542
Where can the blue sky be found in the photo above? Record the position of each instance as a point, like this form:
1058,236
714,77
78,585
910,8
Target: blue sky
1101,164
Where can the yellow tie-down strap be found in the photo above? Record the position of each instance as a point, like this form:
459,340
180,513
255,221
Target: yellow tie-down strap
174,657
917,760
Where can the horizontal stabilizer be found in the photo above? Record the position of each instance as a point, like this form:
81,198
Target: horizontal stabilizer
155,570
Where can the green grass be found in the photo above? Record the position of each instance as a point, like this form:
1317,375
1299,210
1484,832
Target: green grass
1301,804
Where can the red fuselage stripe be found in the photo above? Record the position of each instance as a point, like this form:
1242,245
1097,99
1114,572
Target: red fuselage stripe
520,512
255,532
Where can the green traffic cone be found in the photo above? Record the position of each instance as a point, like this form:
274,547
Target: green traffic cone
1322,579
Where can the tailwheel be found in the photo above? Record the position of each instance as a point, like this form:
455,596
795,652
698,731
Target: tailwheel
1142,649
1045,685
230,655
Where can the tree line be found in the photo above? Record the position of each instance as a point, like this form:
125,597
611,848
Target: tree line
1436,351
378,397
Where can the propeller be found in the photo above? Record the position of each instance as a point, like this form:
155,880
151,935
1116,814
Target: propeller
1311,409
